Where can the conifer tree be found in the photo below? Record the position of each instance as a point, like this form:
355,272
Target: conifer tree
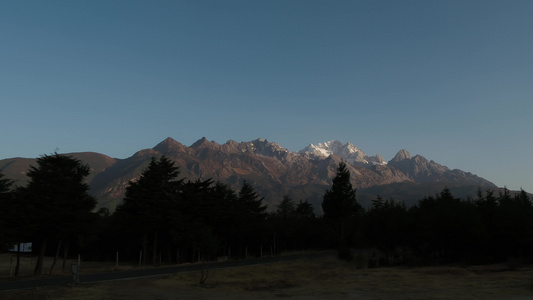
284,219
386,226
58,198
150,205
6,202
251,202
339,204
515,218
304,209
5,187
250,214
308,228
286,207
341,210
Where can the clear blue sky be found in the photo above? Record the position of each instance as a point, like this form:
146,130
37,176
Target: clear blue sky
450,80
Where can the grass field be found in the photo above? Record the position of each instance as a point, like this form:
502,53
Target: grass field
325,278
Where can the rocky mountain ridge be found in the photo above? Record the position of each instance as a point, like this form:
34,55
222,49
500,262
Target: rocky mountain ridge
273,170
347,151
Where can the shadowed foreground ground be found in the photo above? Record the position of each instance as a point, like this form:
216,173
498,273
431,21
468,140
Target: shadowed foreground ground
325,278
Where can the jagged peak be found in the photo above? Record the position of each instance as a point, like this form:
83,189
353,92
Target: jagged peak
265,142
199,142
231,143
263,147
401,155
169,140
419,157
376,160
333,146
203,142
346,151
168,145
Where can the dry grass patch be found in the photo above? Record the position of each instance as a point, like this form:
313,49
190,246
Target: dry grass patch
326,278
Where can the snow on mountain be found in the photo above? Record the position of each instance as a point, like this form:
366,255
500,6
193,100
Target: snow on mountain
346,151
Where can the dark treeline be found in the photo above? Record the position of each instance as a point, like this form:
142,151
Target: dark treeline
168,219
443,228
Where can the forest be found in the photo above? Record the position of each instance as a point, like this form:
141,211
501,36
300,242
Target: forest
165,219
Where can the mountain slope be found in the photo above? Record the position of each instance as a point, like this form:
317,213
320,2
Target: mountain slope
271,169
421,170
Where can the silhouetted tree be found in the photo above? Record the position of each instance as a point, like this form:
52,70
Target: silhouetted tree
5,187
386,226
284,223
221,218
250,215
446,228
58,200
487,208
200,212
13,219
286,207
304,209
250,201
341,208
6,212
151,203
308,228
515,220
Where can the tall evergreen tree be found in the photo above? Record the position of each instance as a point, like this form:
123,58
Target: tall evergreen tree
250,201
304,209
515,219
59,201
150,204
342,210
6,203
339,204
445,227
386,226
308,228
487,208
250,214
14,217
284,221
219,217
200,212
286,207
5,187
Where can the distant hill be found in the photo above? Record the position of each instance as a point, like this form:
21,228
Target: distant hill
273,171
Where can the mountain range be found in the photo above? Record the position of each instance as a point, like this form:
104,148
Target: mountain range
273,171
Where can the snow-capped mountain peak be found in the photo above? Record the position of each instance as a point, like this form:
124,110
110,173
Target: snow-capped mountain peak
346,151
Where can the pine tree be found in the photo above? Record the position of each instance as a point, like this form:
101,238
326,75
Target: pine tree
151,203
304,209
286,207
515,218
285,222
250,215
6,203
58,198
386,226
446,227
339,204
5,187
251,202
